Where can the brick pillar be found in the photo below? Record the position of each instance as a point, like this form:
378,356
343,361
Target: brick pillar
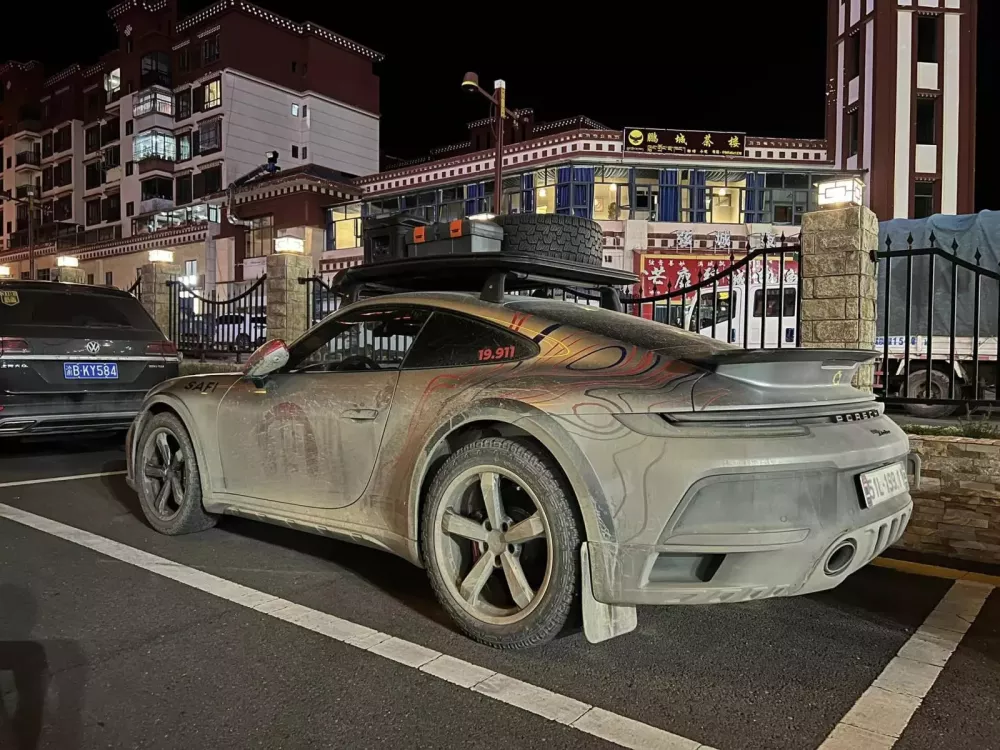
839,286
68,275
286,297
154,292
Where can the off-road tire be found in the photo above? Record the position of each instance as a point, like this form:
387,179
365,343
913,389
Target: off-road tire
569,238
544,478
192,516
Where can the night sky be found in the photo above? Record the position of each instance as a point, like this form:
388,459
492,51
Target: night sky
696,66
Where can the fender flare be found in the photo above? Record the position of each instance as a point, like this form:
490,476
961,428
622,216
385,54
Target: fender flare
184,415
588,492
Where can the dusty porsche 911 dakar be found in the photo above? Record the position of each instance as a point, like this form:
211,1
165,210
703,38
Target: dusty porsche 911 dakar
536,456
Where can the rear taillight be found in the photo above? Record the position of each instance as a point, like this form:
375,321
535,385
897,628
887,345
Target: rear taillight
13,346
164,348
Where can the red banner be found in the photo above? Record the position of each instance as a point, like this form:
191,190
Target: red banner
662,273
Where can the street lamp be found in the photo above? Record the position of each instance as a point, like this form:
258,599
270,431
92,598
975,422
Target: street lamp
499,110
30,191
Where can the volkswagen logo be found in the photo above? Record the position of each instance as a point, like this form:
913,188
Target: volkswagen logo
93,347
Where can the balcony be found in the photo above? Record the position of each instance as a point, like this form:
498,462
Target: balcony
154,78
156,164
153,205
27,160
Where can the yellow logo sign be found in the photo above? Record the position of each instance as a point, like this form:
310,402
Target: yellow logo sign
9,298
635,137
837,377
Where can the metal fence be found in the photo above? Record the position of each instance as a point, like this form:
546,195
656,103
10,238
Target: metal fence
754,302
136,289
938,319
208,326
321,300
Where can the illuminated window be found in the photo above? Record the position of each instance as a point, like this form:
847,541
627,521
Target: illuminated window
212,94
154,144
148,101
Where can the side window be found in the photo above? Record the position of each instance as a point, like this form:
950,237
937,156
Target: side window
773,296
721,308
368,339
449,340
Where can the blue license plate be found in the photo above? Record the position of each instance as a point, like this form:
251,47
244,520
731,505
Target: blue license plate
90,370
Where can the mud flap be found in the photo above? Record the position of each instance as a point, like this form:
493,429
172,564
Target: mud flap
601,622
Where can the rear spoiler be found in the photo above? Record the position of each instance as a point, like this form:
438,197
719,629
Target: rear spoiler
833,358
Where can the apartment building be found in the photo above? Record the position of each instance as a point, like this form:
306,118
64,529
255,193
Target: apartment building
150,136
901,102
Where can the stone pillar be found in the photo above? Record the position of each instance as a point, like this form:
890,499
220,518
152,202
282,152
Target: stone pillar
839,282
287,299
68,275
154,292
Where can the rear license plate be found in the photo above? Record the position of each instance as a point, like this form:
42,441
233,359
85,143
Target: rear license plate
90,370
882,484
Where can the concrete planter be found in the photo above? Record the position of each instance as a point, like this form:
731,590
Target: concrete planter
957,507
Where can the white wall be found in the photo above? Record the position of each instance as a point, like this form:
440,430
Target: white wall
257,118
904,93
950,108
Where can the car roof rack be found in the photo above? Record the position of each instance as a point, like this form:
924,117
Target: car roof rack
492,274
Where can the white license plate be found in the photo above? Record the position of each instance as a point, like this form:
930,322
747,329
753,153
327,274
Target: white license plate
881,484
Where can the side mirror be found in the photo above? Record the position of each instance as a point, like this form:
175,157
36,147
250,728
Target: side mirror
268,358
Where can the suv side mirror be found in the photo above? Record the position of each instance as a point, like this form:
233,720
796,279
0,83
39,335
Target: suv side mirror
268,358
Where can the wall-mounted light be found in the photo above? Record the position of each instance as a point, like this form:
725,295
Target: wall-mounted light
541,192
290,245
67,261
4,272
161,256
845,192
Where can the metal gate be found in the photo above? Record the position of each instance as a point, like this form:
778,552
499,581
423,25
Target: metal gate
937,326
206,326
755,302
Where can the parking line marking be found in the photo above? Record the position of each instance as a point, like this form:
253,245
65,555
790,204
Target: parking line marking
934,571
880,716
25,482
568,711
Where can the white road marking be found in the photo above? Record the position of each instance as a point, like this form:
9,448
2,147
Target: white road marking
612,727
25,482
882,713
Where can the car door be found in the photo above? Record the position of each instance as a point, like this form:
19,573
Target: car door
310,434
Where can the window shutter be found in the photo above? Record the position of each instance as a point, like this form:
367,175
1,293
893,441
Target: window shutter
195,143
199,185
198,98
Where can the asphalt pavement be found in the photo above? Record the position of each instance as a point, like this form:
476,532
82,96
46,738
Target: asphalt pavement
251,635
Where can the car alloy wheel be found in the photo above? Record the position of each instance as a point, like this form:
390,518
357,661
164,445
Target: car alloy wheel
493,545
164,473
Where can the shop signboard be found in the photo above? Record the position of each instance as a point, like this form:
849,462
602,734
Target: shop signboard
688,142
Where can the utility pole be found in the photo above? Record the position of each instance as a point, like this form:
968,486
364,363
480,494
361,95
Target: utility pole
499,111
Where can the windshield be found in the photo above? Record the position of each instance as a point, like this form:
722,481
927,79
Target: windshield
648,334
26,311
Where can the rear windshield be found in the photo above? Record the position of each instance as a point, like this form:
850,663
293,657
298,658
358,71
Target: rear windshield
647,334
57,308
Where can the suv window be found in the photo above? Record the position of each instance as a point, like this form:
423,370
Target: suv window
24,311
449,340
647,334
370,338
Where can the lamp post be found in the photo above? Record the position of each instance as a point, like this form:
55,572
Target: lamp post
30,202
499,100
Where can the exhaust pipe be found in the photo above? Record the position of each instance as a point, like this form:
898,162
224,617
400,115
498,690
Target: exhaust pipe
841,557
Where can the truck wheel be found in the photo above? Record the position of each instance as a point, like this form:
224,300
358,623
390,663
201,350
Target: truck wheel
940,387
569,238
501,542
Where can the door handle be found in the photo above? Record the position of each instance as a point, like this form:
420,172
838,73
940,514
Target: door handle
360,414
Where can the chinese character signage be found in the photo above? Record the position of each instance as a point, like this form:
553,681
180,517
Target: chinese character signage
662,273
693,142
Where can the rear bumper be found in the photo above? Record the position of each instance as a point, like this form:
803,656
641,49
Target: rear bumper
66,423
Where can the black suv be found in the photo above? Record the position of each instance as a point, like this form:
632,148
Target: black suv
76,358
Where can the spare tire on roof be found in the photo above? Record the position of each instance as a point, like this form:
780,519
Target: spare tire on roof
569,238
